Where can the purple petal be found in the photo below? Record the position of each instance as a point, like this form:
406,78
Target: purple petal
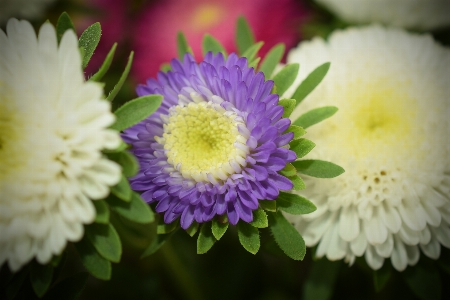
187,217
281,182
233,216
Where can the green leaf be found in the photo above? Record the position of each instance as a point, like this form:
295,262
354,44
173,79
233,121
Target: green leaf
96,264
254,63
310,82
218,228
297,130
294,204
105,65
192,230
284,79
251,51
211,44
301,147
164,228
70,288
424,280
156,244
244,35
122,190
105,240
165,67
297,182
321,280
41,277
127,161
249,237
315,116
268,205
122,147
259,219
102,212
289,105
205,239
289,170
113,93
64,23
382,276
182,45
286,236
318,168
136,210
135,111
89,40
271,60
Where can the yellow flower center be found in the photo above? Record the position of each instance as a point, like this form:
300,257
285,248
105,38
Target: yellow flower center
206,16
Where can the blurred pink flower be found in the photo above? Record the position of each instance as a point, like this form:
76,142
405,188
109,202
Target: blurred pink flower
157,26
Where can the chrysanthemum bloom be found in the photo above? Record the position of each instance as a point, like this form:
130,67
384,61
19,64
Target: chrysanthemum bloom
216,143
272,22
391,134
53,126
414,14
22,9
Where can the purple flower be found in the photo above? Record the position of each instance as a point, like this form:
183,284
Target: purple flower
216,143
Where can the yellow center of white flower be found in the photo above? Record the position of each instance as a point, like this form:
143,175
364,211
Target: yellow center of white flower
201,139
10,157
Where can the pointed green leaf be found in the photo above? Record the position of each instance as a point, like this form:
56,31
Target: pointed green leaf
41,277
289,105
268,205
284,79
205,239
252,51
294,204
122,190
424,279
105,240
286,236
249,237
315,116
254,63
89,40
105,65
135,111
289,170
310,82
297,130
318,168
259,219
70,288
244,35
192,230
102,212
218,228
113,93
163,228
127,161
136,210
301,147
382,276
182,45
211,44
297,182
321,280
271,60
156,244
64,23
165,67
96,264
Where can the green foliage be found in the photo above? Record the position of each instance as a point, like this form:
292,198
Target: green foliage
218,228
424,279
192,230
382,276
164,228
69,288
182,45
315,116
289,105
301,147
113,93
127,161
289,170
64,23
105,65
105,240
321,280
310,82
286,236
297,182
156,244
318,168
252,51
135,111
122,190
268,205
211,44
40,277
271,60
297,130
259,219
102,212
205,239
284,79
88,41
294,204
96,264
136,210
244,35
249,237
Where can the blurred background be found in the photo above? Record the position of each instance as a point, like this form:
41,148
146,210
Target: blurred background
227,271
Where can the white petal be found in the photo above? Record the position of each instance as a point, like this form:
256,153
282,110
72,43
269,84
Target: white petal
413,215
432,249
359,245
390,217
374,229
399,257
408,236
425,236
373,259
312,232
385,249
348,223
442,234
413,254
432,214
337,247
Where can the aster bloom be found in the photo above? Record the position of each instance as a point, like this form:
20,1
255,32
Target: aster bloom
53,127
215,145
414,14
391,135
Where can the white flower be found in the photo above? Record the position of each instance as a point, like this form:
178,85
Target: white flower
53,126
27,9
391,135
418,14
